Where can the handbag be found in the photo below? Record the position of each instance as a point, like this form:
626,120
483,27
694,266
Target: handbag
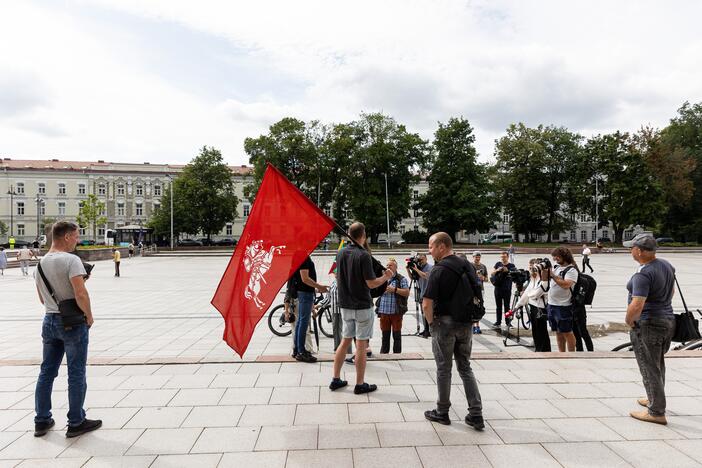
687,327
69,310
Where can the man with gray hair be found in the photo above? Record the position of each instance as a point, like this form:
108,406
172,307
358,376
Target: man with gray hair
60,277
650,316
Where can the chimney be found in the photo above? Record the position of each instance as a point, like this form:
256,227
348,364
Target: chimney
54,160
100,161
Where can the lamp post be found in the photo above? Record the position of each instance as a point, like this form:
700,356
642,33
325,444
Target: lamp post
597,211
40,202
387,207
171,188
12,194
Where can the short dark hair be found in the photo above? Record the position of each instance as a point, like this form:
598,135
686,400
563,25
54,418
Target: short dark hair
62,228
357,230
443,238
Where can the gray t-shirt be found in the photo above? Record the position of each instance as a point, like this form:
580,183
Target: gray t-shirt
59,268
423,281
654,281
557,295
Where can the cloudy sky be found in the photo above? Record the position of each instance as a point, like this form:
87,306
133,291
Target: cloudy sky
139,80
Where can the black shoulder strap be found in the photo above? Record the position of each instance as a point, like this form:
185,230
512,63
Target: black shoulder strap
681,295
460,274
46,282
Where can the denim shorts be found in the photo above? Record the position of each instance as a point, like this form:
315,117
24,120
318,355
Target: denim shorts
358,323
560,318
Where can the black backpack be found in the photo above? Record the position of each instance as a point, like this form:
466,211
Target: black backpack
583,291
463,306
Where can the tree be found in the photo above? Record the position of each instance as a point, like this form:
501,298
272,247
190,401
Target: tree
205,194
629,192
684,135
3,228
381,147
160,220
91,213
459,194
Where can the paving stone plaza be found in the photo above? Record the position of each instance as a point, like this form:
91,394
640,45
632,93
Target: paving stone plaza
171,393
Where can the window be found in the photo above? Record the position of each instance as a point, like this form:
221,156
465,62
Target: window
101,232
594,235
247,207
505,218
120,189
416,228
572,235
327,211
62,208
583,236
42,209
41,188
62,188
20,208
228,232
81,189
81,231
402,229
120,209
416,213
415,194
605,233
101,189
139,190
20,229
157,190
139,209
20,188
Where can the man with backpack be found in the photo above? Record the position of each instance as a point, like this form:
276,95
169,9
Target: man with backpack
392,306
452,301
499,277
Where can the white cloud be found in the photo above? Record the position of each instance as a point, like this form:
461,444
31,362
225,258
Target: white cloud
94,91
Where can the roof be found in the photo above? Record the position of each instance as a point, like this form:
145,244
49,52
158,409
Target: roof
99,166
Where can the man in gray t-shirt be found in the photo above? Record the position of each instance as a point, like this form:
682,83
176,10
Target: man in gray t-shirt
650,315
66,276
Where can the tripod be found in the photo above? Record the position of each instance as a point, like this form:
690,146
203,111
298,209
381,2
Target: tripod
519,317
419,311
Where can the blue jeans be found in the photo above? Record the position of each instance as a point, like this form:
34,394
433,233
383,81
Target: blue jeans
305,301
57,341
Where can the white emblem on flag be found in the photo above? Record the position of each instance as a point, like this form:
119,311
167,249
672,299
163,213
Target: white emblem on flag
257,261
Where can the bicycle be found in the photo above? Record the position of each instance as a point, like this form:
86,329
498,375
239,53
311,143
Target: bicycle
685,346
281,327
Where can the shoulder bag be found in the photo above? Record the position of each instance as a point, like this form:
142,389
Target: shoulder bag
69,310
687,327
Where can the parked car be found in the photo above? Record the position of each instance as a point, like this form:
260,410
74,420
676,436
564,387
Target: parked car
226,242
604,240
205,241
499,238
665,240
18,244
189,243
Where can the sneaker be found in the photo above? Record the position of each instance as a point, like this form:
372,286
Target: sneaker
476,422
478,331
364,388
648,417
435,416
336,384
86,426
306,357
41,429
350,360
497,325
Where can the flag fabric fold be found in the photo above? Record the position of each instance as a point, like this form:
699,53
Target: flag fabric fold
283,228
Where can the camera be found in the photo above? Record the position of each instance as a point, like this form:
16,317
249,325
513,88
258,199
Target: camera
541,264
519,277
413,262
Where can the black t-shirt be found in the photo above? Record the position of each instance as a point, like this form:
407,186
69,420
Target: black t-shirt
442,281
502,279
308,265
354,267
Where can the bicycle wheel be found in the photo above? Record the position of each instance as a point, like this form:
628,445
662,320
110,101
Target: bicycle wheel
277,323
625,347
697,344
324,319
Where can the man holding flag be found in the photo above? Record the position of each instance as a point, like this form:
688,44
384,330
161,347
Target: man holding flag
355,279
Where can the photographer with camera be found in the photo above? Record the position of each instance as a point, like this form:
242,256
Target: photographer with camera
534,300
392,306
499,277
418,270
482,273
562,277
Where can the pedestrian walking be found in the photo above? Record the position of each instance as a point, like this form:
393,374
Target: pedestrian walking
24,256
117,258
3,261
131,250
512,257
451,339
650,315
586,258
355,279
60,281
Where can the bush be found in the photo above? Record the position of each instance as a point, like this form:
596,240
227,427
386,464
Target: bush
415,237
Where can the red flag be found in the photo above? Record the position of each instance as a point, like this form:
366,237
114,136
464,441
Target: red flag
284,227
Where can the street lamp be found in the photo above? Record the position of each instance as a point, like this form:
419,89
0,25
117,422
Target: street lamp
12,195
170,178
40,202
387,207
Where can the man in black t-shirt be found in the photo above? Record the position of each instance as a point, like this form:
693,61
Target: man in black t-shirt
450,339
306,284
499,277
355,279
